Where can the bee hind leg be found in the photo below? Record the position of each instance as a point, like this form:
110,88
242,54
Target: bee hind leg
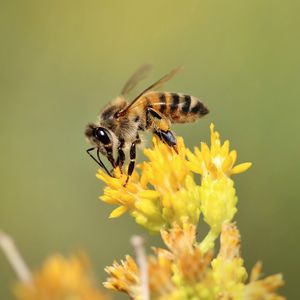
161,127
167,137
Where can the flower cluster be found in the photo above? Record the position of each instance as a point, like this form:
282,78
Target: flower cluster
169,197
61,278
157,198
188,259
184,271
166,192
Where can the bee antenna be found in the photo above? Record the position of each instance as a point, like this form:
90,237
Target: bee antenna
99,161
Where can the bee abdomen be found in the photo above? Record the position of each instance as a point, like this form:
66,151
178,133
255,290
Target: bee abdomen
185,108
178,108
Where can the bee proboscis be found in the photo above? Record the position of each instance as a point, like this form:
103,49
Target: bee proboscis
120,122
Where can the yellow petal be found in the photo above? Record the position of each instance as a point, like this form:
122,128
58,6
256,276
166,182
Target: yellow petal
227,164
197,152
241,168
212,128
149,194
256,272
205,154
119,211
225,148
204,149
233,155
108,200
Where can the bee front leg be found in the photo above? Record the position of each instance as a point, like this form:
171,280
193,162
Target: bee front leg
109,155
132,153
121,155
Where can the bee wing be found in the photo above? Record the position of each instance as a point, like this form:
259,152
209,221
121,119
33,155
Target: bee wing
135,78
153,86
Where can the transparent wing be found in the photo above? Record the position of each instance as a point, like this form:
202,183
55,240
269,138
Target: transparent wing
153,86
136,77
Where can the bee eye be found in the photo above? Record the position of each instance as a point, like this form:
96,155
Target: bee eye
101,135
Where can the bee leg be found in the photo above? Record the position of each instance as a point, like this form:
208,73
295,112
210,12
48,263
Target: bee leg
121,155
132,156
167,137
99,162
161,127
109,155
157,120
111,159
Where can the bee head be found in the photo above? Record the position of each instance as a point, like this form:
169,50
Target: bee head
99,136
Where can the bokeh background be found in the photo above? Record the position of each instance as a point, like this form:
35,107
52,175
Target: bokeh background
61,61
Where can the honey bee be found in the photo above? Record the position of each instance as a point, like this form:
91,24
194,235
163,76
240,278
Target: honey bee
120,122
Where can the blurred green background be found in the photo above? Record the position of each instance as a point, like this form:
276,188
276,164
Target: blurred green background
61,61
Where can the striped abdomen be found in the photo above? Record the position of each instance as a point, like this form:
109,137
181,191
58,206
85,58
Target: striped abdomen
178,108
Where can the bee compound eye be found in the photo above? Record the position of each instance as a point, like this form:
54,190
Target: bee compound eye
102,136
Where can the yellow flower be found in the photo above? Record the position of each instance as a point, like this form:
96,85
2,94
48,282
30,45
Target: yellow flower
125,278
228,271
230,275
165,192
215,161
217,192
190,261
218,205
184,272
167,198
160,273
263,289
61,279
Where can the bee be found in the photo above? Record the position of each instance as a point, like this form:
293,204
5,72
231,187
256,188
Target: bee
121,122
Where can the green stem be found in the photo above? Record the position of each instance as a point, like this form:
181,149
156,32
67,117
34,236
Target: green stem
209,241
